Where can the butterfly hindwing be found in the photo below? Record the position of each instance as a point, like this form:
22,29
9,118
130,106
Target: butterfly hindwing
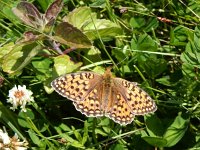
138,100
119,111
91,104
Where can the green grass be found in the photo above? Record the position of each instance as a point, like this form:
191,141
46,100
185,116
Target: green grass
161,54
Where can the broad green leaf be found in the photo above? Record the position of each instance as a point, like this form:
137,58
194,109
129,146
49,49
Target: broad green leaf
143,24
5,50
23,116
118,147
83,18
19,57
137,22
144,42
67,34
176,130
80,17
103,28
155,141
151,65
42,66
154,125
63,64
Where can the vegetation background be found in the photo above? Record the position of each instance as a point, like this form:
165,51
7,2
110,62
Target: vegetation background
154,43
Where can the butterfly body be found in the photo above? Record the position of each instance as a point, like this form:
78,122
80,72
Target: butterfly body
98,95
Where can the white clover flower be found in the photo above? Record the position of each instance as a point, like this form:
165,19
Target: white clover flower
4,138
7,143
19,96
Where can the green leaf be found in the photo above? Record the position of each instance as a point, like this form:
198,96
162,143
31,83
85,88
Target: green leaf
101,132
42,66
180,35
192,51
23,116
92,55
188,70
35,139
72,142
176,130
67,34
155,141
77,134
85,134
118,147
140,23
5,50
83,18
63,64
137,22
80,17
151,24
19,57
151,65
144,42
103,28
154,125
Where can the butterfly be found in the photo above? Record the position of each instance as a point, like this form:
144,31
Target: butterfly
96,95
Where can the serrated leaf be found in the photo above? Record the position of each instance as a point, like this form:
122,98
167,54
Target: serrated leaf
5,50
67,34
63,64
19,57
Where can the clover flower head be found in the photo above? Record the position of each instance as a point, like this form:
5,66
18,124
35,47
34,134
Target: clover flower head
19,96
8,143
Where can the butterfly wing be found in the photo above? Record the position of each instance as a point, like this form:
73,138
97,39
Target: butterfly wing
136,98
84,89
76,86
119,111
91,105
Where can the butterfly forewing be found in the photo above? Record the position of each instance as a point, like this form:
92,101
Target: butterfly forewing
76,86
137,99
